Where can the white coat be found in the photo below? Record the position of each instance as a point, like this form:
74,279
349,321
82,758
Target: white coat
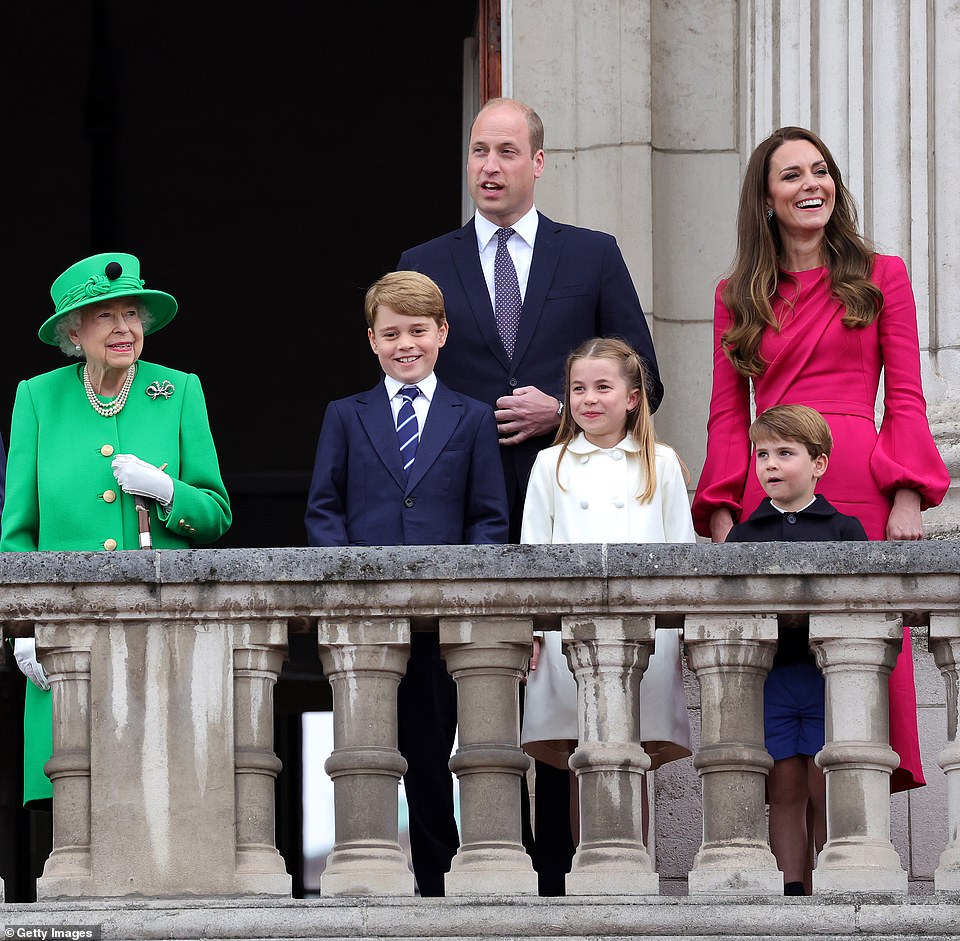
598,504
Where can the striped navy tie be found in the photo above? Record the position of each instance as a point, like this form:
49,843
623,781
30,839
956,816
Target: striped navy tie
408,431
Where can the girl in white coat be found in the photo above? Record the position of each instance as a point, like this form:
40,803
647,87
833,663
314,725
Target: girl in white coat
605,480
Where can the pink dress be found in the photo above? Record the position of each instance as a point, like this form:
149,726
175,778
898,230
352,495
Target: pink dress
814,360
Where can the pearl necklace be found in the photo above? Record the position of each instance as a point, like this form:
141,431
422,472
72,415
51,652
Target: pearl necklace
115,406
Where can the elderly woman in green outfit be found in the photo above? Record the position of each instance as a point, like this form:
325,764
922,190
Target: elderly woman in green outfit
89,440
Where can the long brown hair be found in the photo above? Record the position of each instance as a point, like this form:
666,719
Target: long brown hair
639,423
754,282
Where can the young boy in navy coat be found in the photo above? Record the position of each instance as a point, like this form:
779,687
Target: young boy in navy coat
793,445
411,462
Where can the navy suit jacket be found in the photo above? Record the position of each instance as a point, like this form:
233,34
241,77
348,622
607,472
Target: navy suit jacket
360,495
579,287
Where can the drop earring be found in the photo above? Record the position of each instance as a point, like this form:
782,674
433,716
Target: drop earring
769,213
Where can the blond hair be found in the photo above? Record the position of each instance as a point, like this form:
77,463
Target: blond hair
639,423
798,423
406,292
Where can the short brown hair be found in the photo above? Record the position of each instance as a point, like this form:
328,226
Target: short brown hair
406,292
794,423
534,124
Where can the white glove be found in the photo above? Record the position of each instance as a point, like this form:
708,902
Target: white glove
139,477
25,652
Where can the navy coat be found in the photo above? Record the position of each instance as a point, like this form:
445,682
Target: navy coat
579,287
360,495
819,522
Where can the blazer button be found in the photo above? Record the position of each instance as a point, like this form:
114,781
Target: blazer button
791,518
409,502
109,496
513,383
107,450
110,545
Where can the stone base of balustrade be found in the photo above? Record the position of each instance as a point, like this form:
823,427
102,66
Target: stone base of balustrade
735,882
613,882
371,883
845,881
872,917
946,880
490,871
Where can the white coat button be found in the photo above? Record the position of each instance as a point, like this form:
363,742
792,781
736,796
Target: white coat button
618,503
584,458
584,505
617,455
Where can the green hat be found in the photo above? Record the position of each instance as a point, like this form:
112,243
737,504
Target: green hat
101,278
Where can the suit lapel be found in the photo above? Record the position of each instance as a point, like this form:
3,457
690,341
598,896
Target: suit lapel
376,416
466,257
546,255
445,413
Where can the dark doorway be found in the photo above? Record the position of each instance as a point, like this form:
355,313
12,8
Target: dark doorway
266,162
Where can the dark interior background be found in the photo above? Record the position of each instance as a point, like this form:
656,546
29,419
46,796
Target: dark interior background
266,163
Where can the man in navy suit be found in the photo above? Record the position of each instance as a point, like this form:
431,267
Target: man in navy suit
574,284
412,463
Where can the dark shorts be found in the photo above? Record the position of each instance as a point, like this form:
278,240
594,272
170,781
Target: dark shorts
793,701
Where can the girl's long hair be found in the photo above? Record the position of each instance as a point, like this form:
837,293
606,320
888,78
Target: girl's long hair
754,282
639,423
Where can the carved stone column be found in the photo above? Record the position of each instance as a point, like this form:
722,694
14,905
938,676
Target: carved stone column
65,651
486,657
364,661
945,644
856,653
731,658
608,656
259,651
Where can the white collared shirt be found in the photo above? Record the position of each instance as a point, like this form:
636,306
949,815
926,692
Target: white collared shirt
520,247
421,404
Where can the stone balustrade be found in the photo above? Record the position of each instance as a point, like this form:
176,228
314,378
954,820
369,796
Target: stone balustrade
163,665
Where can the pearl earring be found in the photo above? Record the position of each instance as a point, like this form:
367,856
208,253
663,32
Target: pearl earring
79,347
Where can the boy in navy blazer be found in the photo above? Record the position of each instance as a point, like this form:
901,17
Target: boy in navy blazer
411,462
792,445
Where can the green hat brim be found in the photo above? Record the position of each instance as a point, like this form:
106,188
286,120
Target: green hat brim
162,307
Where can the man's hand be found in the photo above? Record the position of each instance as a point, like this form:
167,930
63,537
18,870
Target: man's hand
527,413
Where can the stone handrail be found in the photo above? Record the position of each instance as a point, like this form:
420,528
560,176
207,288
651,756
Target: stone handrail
163,665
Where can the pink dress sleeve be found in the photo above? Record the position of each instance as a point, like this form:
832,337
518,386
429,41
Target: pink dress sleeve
728,444
905,455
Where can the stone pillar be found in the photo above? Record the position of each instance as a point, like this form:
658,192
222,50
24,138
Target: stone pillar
856,653
731,658
66,659
608,656
364,660
945,644
259,651
486,657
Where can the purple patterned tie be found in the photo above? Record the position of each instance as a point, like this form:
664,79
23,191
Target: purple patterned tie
408,431
506,293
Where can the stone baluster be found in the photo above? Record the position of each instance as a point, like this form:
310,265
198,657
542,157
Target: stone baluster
608,656
486,657
856,653
731,657
257,658
64,650
364,660
945,644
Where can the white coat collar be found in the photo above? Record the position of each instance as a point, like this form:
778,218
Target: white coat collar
580,445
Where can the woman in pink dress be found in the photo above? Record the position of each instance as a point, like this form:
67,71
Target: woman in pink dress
811,315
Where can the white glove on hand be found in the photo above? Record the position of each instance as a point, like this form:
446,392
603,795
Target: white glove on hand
25,652
139,477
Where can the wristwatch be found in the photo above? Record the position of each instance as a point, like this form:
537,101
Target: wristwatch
560,408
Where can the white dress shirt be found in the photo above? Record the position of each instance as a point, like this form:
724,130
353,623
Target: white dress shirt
520,247
421,404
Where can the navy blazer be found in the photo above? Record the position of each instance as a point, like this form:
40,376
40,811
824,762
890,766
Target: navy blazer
360,495
819,522
579,287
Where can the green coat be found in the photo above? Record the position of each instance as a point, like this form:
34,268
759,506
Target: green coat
75,503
